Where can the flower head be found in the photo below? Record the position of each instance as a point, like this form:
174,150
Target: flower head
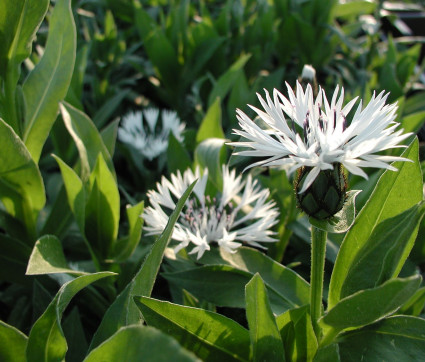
240,213
141,131
300,131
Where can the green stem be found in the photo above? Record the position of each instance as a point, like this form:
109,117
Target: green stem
318,251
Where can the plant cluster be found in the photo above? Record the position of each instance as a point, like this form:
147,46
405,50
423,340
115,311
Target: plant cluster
132,229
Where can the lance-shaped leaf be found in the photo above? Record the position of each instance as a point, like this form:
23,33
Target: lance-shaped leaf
395,192
87,139
370,305
178,157
102,213
226,81
389,243
211,154
211,124
398,338
285,287
13,342
19,21
139,344
46,341
298,334
126,246
48,82
47,257
211,336
21,185
123,310
266,344
74,192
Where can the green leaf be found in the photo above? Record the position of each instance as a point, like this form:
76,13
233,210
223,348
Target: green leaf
353,8
266,344
201,55
178,157
226,81
390,243
370,305
59,217
286,288
13,343
126,246
298,334
228,284
415,305
46,341
87,139
48,82
413,122
123,311
329,353
211,154
103,115
75,336
102,213
397,338
109,136
211,124
139,344
21,185
211,336
343,219
47,257
74,191
19,21
394,193
164,58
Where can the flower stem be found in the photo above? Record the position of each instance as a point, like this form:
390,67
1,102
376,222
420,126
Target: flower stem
318,251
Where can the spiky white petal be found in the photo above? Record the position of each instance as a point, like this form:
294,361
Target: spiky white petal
241,213
140,130
325,140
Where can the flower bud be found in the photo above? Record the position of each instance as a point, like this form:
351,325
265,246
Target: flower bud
326,195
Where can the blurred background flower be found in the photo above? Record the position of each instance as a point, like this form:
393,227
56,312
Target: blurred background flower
142,131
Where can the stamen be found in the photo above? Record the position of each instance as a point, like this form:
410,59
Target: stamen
321,120
306,127
344,123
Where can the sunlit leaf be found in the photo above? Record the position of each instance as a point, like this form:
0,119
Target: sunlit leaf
48,82
211,336
139,344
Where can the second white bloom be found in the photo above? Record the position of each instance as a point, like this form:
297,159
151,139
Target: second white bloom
241,213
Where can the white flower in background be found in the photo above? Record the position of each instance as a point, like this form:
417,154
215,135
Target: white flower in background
239,214
141,131
302,131
308,73
369,24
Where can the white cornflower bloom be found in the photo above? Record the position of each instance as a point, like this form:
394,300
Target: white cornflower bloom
303,131
143,133
239,214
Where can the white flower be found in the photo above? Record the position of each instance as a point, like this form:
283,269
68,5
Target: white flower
239,214
303,131
152,140
308,73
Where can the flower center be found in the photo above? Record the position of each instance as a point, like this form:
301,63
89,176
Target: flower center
208,219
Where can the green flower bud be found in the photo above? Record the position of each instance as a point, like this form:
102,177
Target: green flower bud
326,195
